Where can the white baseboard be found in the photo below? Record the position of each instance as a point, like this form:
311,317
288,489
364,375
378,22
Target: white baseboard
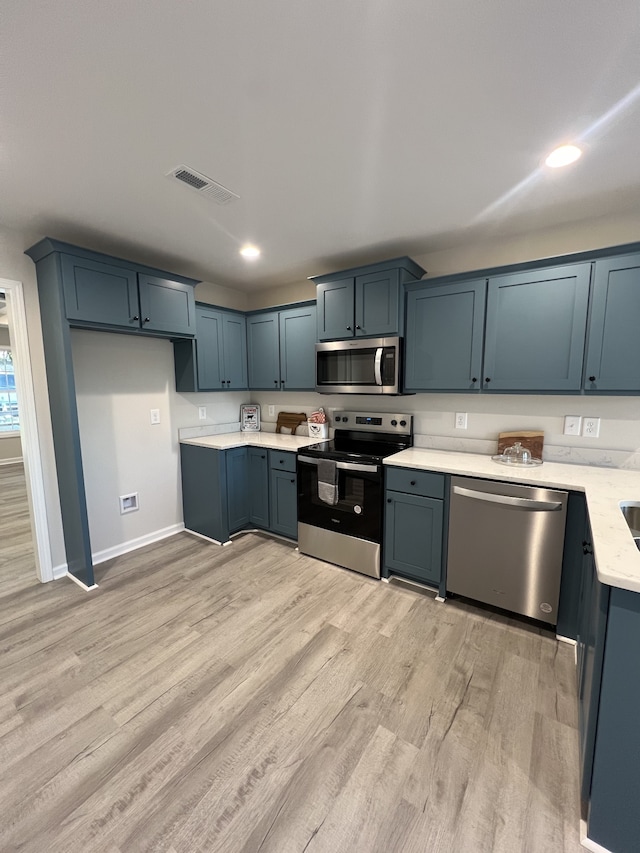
15,460
80,584
587,843
60,571
134,544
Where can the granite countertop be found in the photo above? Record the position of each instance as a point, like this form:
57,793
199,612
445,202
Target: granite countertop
270,440
616,555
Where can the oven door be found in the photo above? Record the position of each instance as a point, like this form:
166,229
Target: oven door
358,511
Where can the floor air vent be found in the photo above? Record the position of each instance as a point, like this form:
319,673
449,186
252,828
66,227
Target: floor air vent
202,184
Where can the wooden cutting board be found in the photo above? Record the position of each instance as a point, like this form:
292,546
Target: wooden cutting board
532,440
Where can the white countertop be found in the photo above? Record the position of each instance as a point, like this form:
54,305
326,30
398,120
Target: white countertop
616,555
270,440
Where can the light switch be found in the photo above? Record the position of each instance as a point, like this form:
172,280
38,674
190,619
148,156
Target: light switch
155,416
572,424
202,413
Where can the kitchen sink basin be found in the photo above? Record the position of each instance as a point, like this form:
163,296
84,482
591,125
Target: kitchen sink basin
631,513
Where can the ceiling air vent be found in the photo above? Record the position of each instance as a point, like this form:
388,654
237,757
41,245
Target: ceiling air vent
202,184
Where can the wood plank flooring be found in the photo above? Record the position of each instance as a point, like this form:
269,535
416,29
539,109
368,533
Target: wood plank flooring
249,699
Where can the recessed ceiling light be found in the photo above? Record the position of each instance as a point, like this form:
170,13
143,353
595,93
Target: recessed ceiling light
250,253
563,155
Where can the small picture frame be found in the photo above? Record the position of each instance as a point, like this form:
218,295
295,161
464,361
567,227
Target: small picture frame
250,418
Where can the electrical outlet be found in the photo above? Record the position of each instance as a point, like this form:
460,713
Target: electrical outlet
572,424
461,420
272,411
202,413
154,416
591,427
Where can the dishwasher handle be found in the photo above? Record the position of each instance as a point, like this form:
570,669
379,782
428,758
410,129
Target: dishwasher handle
521,503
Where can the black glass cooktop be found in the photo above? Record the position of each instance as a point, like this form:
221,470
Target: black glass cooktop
358,446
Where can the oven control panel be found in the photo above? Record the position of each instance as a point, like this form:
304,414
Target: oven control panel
374,421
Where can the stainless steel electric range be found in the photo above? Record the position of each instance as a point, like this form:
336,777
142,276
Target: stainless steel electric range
341,487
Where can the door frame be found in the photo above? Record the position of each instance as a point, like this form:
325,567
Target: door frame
29,437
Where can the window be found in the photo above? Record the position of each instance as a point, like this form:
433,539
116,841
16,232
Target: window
9,418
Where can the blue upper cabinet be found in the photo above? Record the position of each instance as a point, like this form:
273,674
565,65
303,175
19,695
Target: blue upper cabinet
217,359
281,349
234,350
101,292
336,310
535,330
166,305
263,351
365,301
378,304
613,351
444,332
221,348
297,328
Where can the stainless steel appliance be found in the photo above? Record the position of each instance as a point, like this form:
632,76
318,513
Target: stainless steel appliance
361,366
340,489
505,545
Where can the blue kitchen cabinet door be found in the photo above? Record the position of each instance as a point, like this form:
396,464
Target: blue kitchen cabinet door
297,327
444,335
204,491
234,350
284,503
258,487
237,467
209,351
263,351
613,350
592,627
166,306
614,816
96,292
377,304
413,534
336,310
535,330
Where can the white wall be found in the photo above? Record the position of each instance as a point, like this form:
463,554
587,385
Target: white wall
119,379
490,414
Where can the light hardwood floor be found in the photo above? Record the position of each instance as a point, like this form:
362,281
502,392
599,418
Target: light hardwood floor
249,698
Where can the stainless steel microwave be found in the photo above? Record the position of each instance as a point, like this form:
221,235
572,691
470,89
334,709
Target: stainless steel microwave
360,366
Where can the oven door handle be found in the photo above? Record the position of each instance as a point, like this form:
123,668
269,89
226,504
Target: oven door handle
377,367
343,466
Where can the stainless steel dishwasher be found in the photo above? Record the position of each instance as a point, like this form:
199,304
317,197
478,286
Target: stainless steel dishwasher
505,545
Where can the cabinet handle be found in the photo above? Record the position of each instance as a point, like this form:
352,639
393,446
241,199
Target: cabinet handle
592,379
293,481
413,482
263,456
587,550
282,382
474,378
348,328
275,382
358,327
388,500
487,379
135,318
146,319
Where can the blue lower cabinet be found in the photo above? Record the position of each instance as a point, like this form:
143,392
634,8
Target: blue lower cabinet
283,508
258,487
237,488
413,533
204,491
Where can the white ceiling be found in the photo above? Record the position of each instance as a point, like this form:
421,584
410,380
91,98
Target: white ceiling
352,130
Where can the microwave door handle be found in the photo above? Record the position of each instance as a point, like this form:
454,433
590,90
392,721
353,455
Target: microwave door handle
377,367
